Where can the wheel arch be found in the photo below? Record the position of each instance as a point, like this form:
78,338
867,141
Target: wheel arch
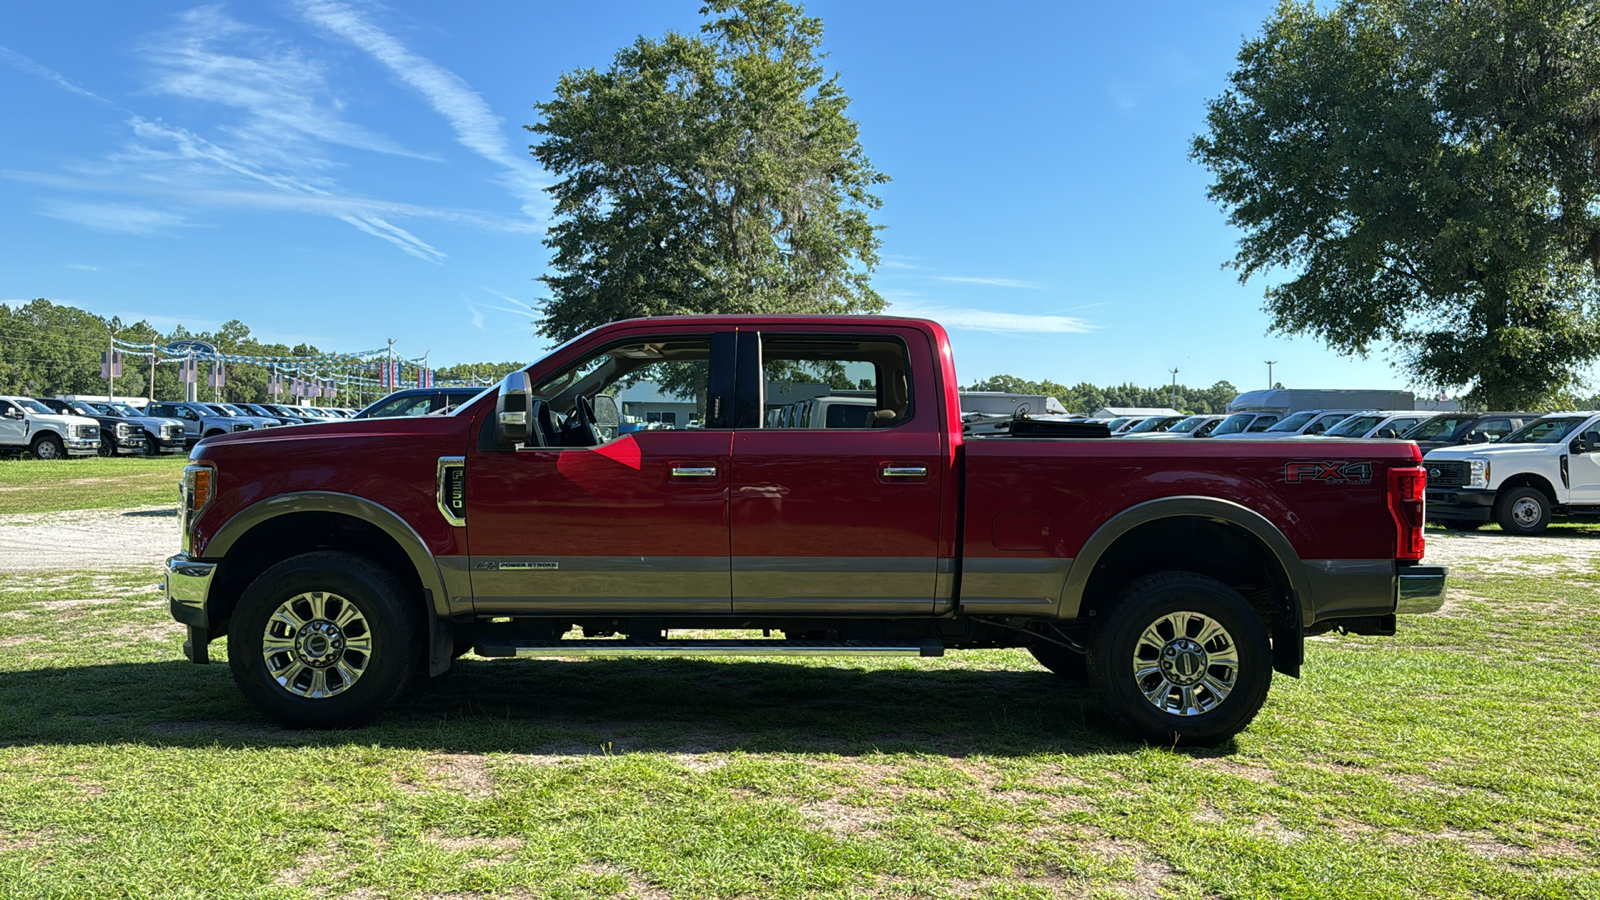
1529,479
266,533
1211,536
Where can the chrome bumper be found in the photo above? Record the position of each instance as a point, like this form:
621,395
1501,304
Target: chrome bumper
187,584
1420,590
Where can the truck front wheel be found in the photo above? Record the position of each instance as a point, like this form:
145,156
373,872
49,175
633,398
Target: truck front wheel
1181,658
48,446
1522,511
323,640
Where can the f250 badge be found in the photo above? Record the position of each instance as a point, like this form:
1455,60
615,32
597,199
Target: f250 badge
1328,472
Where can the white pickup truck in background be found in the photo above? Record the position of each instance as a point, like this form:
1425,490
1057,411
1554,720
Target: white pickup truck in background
1548,467
28,425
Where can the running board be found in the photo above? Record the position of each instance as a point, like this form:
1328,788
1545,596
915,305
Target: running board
503,649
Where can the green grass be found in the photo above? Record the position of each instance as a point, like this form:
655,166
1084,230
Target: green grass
1455,760
32,485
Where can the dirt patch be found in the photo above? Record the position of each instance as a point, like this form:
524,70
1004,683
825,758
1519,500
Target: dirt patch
466,774
842,818
65,540
637,888
1551,553
475,844
308,865
1257,774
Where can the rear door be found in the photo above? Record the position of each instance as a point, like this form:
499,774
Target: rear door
842,519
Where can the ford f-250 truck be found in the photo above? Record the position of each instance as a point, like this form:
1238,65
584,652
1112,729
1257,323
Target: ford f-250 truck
1174,576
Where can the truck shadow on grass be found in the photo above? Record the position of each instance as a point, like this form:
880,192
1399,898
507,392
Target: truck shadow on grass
592,707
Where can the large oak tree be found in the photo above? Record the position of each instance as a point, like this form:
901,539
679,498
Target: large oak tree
715,173
1429,172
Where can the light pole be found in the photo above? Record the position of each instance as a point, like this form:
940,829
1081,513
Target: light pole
1270,363
1174,387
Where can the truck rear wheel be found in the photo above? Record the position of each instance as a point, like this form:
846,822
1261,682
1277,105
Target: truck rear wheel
47,446
323,640
1522,511
1181,658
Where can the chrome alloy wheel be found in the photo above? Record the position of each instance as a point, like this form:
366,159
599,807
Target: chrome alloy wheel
317,645
1185,663
1526,512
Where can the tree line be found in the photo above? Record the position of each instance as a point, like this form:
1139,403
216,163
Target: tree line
1084,397
52,348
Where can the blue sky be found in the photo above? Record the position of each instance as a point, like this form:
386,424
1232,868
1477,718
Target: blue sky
343,173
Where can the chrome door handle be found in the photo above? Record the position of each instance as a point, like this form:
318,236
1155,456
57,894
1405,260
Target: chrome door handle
905,471
694,471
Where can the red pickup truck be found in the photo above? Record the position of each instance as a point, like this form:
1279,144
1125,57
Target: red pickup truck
1175,576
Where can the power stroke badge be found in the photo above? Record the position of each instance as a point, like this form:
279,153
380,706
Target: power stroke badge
1327,472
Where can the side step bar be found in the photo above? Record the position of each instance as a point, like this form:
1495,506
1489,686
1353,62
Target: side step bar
501,649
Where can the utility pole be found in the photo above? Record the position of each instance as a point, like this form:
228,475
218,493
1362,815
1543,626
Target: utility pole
111,365
152,371
1174,371
394,382
1270,363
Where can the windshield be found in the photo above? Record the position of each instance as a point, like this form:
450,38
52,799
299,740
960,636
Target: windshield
98,409
1188,425
1438,428
1355,426
1293,423
1149,425
126,411
1234,424
1118,422
34,406
233,409
1545,431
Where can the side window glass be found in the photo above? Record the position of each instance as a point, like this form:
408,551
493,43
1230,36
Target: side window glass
655,384
1495,429
1263,423
835,382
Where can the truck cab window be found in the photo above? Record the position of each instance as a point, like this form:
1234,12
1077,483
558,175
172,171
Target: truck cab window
834,382
653,384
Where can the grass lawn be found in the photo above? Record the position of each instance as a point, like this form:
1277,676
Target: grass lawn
1455,760
33,485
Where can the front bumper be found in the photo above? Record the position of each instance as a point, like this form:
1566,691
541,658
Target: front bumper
188,583
175,445
130,447
1420,589
83,448
1465,504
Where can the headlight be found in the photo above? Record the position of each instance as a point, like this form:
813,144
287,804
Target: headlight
1478,473
122,431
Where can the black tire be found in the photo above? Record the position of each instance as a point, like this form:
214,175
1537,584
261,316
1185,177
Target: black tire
108,447
152,445
387,618
1062,661
1214,716
1522,511
48,446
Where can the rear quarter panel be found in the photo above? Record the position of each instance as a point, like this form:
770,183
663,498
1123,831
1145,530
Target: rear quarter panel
1068,490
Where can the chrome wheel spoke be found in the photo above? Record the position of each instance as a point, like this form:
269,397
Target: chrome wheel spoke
308,637
1189,705
1228,658
1217,688
1209,632
319,604
347,615
1158,694
348,673
361,644
272,645
290,671
1189,654
319,684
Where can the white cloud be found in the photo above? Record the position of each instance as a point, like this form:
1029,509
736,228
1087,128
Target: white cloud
83,267
970,319
990,282
476,126
287,104
120,218
33,68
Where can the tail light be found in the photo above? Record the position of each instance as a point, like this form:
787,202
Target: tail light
1406,487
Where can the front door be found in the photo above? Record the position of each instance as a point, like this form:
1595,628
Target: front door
1583,469
637,523
837,511
13,431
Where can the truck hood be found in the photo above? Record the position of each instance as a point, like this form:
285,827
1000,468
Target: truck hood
398,428
63,420
152,421
1468,451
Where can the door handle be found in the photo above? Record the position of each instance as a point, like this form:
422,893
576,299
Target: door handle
694,471
904,471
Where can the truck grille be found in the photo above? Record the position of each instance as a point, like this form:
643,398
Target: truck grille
86,431
1451,473
171,432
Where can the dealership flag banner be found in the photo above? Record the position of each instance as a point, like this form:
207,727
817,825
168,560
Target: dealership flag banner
111,364
218,375
188,371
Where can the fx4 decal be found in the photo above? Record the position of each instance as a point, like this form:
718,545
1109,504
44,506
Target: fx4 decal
1328,472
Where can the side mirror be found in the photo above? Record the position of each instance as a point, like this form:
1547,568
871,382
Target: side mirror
13,413
607,415
1387,434
513,410
1591,442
